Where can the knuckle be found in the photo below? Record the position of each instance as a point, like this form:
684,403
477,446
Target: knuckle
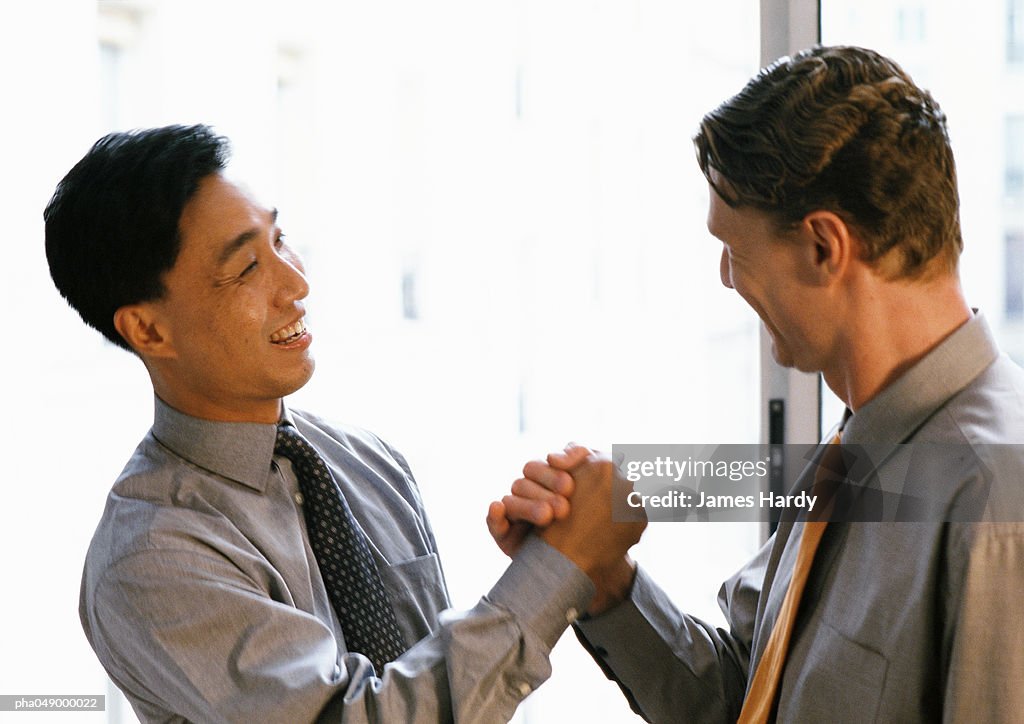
533,466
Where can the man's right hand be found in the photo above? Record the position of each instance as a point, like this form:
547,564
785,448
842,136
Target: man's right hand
590,538
586,535
537,499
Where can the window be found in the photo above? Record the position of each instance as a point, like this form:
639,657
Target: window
911,24
513,176
119,26
1015,31
980,98
1015,158
1014,275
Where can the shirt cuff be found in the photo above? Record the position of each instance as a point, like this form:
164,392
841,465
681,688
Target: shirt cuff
616,635
544,589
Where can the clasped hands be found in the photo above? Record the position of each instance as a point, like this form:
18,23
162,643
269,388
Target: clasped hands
567,501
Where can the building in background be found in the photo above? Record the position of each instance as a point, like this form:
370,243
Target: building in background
483,193
971,56
1013,199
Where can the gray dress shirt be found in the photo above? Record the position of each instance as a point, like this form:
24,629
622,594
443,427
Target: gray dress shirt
202,598
900,621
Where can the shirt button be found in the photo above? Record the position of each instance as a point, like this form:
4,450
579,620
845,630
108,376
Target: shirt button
571,615
525,689
299,498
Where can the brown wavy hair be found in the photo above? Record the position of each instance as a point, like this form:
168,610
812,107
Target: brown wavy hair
846,130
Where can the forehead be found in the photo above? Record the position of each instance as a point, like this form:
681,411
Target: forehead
719,218
219,211
717,213
732,225
724,221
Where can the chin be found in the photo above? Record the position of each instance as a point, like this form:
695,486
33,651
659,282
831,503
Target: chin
787,360
299,378
307,373
782,357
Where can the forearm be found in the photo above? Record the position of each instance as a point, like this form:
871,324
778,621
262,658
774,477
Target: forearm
192,638
675,667
481,663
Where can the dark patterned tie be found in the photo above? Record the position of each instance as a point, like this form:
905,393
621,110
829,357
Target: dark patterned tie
346,564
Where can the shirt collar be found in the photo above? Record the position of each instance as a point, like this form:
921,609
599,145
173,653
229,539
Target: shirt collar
895,413
240,451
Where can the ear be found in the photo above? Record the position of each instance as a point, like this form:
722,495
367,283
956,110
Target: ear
832,243
141,328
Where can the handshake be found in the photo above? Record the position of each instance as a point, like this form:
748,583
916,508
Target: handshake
567,501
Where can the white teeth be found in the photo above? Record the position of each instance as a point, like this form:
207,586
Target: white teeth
290,331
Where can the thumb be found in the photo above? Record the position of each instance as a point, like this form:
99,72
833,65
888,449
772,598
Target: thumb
569,458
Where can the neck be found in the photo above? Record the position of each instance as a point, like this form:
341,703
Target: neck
892,326
207,407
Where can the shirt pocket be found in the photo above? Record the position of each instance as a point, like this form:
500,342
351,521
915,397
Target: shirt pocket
418,594
840,680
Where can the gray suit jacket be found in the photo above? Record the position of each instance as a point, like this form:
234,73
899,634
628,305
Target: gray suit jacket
900,621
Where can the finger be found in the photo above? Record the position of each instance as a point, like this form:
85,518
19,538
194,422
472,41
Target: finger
507,535
525,510
572,456
555,481
531,490
497,521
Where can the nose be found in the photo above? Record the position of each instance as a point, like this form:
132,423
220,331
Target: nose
290,278
725,270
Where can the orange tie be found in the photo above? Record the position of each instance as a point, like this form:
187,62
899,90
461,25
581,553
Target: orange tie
757,707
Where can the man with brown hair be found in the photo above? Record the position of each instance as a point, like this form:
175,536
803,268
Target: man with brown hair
833,191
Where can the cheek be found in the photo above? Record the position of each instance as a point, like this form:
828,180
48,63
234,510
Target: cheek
238,324
248,325
758,296
741,282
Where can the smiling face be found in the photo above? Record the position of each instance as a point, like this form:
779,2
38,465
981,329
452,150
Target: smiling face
228,339
775,275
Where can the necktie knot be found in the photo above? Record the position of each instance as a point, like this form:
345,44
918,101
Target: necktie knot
291,445
829,479
283,443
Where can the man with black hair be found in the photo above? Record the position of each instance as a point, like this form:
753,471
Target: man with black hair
254,562
833,192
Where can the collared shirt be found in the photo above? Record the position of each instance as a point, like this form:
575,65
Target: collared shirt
203,600
904,622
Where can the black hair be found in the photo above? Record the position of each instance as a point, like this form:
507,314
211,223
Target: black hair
112,224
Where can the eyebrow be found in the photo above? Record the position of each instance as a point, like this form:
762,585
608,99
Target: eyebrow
241,240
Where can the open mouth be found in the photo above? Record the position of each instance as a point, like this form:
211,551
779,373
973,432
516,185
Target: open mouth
287,335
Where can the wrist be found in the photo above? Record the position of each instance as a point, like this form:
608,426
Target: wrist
613,585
